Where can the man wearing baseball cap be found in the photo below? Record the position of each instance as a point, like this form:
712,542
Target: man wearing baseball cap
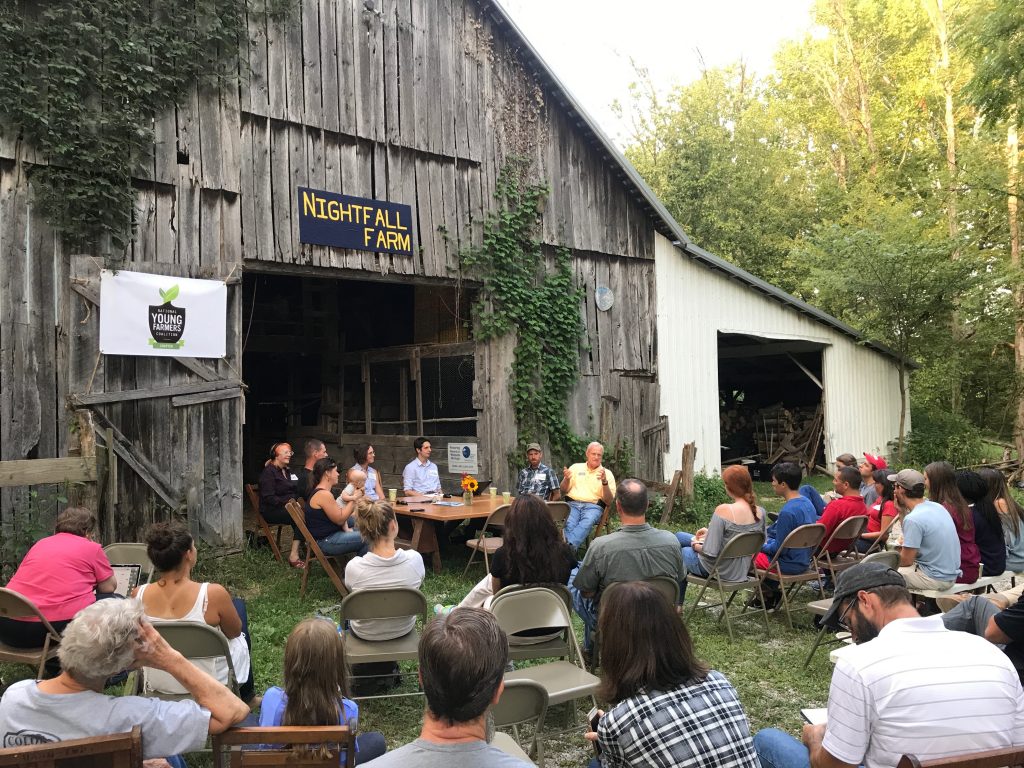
867,481
930,558
537,478
907,692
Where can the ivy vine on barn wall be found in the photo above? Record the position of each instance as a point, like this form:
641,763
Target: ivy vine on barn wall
532,293
81,82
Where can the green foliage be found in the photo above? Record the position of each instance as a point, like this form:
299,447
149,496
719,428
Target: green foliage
530,292
83,80
33,519
943,436
995,38
708,493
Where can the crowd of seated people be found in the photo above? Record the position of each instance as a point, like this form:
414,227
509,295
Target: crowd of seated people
664,706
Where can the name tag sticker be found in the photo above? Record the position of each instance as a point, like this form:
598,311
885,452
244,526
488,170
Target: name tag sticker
295,478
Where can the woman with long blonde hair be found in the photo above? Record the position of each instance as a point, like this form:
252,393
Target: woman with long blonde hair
315,684
742,515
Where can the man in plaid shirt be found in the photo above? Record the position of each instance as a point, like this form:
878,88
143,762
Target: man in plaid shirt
537,479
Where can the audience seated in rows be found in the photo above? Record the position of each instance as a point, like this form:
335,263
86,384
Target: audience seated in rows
668,708
328,522
796,510
462,658
635,552
930,554
61,575
103,640
1011,515
364,455
940,483
988,529
315,686
917,688
820,500
743,515
176,597
850,503
278,487
384,566
532,552
589,489
880,513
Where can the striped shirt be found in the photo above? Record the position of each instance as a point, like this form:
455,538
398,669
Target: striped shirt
699,724
920,689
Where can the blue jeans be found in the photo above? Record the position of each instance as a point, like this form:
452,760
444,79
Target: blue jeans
810,493
343,542
690,560
777,749
369,746
583,516
586,609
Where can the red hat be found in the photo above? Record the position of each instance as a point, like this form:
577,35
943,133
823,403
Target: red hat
876,461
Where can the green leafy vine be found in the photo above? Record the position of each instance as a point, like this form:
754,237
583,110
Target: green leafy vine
531,292
81,81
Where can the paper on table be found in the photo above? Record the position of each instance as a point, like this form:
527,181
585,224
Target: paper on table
448,504
815,716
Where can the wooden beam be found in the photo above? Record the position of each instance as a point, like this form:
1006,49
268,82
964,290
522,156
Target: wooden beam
73,469
206,397
767,349
408,352
81,399
138,461
804,368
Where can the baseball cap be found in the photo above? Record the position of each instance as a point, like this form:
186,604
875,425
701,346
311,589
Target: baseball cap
533,446
876,461
847,458
907,478
858,577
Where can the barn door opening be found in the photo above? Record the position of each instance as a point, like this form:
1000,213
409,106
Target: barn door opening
770,401
352,361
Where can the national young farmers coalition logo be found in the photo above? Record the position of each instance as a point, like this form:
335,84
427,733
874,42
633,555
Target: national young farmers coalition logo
166,321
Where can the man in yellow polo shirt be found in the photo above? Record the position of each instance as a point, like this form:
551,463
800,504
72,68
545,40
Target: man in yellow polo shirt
587,487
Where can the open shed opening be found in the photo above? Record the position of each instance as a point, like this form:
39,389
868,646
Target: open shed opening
770,402
352,361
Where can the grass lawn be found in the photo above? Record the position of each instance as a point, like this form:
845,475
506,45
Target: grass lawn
767,671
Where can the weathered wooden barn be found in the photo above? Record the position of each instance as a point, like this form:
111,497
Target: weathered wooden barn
414,103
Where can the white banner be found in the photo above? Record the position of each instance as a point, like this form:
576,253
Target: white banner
462,457
161,316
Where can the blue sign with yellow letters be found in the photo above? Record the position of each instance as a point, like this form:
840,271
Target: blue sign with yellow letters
342,221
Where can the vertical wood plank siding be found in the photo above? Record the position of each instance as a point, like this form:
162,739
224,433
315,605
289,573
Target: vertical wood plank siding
415,102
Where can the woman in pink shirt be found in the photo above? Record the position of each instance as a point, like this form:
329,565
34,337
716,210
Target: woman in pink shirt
61,575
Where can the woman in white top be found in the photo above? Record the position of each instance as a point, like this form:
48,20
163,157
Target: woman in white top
384,566
364,456
176,597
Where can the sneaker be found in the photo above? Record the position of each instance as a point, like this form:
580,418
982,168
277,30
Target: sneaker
821,585
771,602
754,603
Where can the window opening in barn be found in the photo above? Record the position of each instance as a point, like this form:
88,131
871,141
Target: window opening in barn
351,361
770,402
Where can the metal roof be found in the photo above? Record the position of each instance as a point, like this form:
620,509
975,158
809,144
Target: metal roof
664,223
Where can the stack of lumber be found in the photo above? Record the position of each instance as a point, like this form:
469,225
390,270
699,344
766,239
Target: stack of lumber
788,434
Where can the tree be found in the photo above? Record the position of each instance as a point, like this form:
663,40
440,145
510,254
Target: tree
885,268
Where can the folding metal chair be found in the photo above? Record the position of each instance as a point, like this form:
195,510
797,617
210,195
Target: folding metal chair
742,545
131,553
368,604
485,542
559,513
313,550
851,528
522,701
802,537
15,606
196,642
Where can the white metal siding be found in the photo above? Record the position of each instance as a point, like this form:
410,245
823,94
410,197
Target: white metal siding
862,402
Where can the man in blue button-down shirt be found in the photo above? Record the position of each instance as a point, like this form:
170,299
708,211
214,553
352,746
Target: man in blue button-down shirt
420,475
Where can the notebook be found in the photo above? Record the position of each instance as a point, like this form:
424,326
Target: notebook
127,578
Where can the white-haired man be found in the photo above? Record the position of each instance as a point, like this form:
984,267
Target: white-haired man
102,640
587,487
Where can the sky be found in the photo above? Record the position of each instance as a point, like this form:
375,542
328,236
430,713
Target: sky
591,44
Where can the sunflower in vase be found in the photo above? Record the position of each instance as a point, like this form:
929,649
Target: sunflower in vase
469,487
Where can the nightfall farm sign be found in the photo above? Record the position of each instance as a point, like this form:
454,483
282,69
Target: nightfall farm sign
142,314
326,218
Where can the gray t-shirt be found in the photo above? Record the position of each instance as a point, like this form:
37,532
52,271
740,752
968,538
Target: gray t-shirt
632,553
868,493
720,531
929,529
427,754
28,716
404,569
